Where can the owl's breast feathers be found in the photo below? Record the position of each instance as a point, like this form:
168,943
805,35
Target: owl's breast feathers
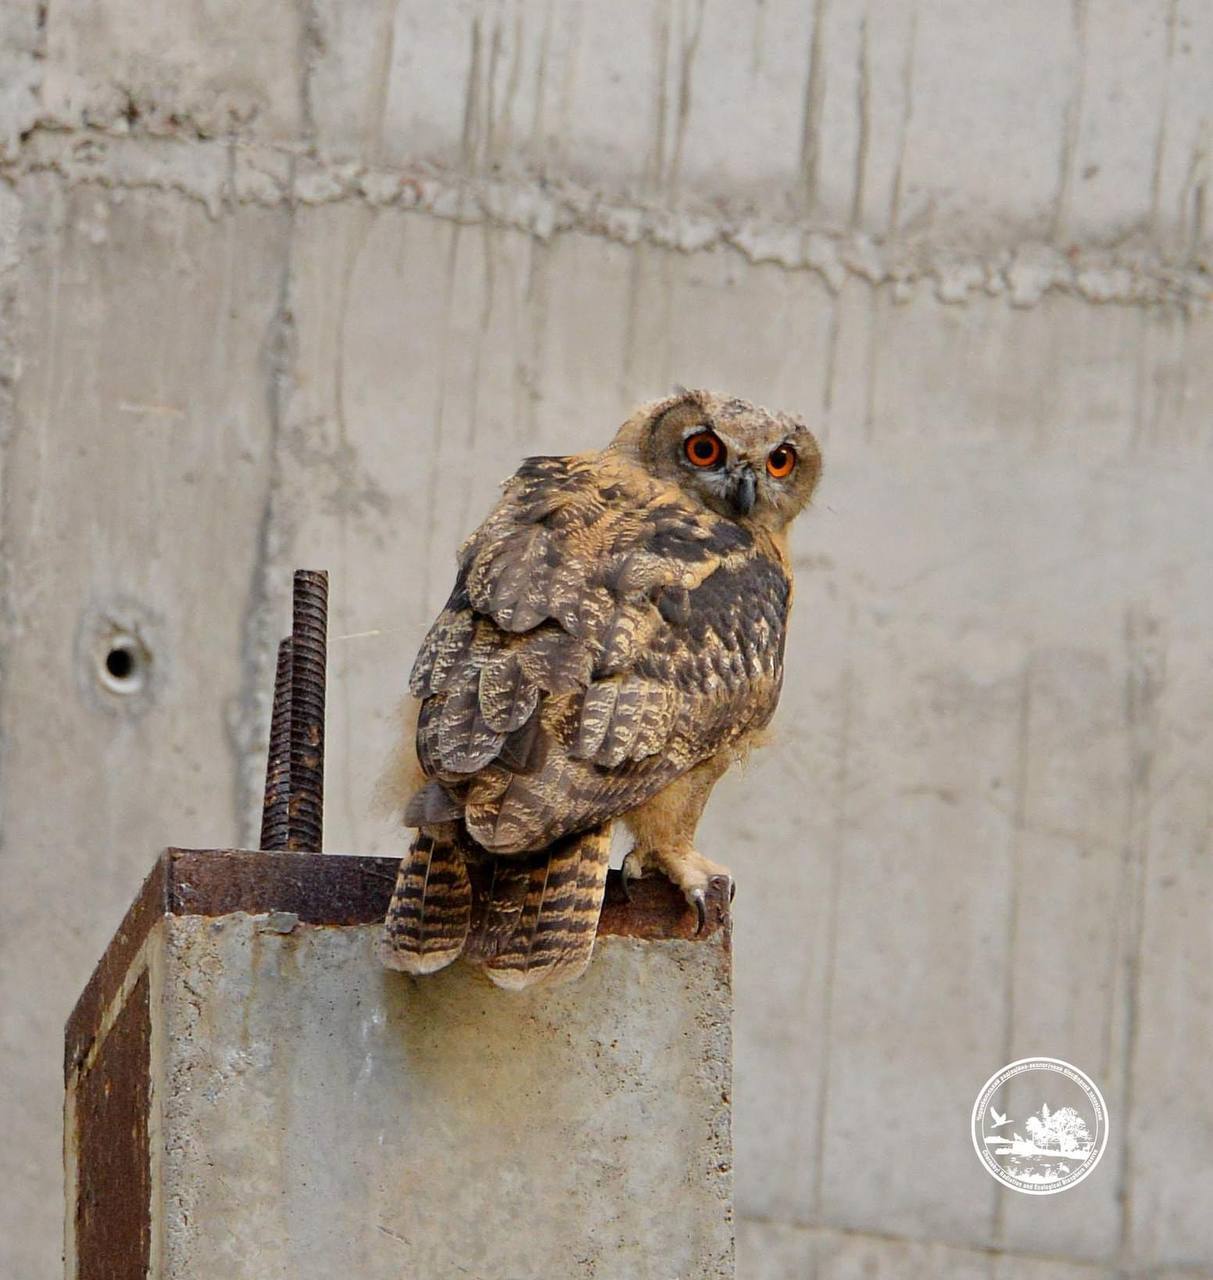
605,634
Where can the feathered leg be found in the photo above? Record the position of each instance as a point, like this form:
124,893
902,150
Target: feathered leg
558,920
431,908
664,829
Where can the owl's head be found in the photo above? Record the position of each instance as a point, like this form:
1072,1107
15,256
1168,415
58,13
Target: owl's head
741,461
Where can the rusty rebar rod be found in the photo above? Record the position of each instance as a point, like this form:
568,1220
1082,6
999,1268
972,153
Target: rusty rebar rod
309,645
275,814
292,817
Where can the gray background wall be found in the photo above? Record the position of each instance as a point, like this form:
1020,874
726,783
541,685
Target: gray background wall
297,283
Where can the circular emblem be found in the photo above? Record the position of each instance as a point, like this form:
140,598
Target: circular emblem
1040,1126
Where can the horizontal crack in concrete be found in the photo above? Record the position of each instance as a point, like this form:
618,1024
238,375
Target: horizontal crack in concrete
224,173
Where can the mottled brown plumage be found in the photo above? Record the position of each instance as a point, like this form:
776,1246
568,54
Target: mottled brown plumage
613,641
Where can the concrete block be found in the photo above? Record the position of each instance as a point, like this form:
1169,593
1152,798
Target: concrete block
249,1093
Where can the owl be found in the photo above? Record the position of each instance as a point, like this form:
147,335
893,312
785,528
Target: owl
613,642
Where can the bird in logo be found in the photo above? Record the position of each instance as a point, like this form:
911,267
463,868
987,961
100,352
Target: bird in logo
613,642
995,1119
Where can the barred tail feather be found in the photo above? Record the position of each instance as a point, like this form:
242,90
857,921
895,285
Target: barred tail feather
497,902
553,938
428,919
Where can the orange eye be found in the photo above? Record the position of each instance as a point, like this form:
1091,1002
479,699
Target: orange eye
704,449
781,460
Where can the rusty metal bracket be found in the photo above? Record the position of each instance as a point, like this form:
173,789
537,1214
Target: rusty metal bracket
292,817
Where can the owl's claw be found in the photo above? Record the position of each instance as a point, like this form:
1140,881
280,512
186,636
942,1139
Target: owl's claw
699,902
632,869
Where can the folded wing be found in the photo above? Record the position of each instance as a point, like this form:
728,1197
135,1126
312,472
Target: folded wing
604,636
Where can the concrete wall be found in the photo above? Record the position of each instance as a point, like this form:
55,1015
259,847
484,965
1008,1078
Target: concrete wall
297,284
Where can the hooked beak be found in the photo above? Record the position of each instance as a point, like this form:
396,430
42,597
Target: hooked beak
743,491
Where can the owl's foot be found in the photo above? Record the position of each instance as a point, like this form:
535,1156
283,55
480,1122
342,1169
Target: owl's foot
699,878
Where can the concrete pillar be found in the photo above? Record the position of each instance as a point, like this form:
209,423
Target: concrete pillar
249,1094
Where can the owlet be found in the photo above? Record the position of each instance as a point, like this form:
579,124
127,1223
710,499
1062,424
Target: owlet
614,641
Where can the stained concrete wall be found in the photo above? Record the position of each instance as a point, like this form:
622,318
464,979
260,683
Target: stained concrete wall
287,284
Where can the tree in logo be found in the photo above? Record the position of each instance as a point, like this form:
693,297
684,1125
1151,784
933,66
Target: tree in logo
1063,1131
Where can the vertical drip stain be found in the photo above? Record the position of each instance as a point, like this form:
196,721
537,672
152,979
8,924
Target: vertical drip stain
814,107
1073,122
864,112
907,115
1160,136
690,46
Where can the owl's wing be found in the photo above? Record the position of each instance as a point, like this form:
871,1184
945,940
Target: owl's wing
603,637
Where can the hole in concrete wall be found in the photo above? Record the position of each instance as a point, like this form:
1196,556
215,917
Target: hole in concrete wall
124,663
120,656
119,663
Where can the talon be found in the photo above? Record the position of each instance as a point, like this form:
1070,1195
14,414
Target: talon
701,911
